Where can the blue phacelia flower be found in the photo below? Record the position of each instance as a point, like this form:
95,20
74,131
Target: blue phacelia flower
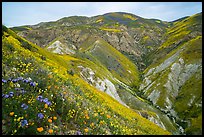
40,98
14,80
17,89
33,84
78,133
4,81
45,100
40,115
6,96
11,94
19,78
24,106
48,103
26,80
24,122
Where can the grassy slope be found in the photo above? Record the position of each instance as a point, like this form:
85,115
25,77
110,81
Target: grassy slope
89,112
191,53
102,53
180,33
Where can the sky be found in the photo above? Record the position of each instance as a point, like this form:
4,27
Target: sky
31,13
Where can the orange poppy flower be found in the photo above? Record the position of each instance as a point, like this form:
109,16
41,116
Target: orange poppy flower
50,120
40,129
87,117
54,118
108,116
11,113
50,131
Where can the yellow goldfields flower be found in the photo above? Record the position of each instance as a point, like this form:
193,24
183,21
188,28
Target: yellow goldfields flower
50,131
101,122
46,106
95,114
40,129
11,84
92,124
86,129
11,113
50,120
19,119
48,87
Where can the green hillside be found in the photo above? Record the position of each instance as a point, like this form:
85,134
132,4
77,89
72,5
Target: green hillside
173,82
102,53
40,97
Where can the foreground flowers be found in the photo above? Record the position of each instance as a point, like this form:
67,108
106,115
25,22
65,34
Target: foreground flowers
50,131
40,115
24,122
86,129
11,113
54,118
24,106
40,129
50,120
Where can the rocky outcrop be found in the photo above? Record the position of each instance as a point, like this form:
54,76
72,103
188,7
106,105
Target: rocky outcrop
162,85
104,85
59,48
180,73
